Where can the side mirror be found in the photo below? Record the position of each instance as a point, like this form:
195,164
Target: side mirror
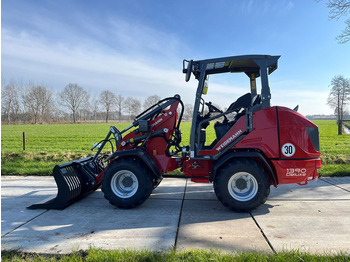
189,70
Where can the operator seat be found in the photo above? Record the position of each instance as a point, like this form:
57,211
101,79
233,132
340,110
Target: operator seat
256,100
244,102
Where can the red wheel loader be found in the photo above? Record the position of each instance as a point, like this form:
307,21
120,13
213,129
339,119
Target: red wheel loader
256,145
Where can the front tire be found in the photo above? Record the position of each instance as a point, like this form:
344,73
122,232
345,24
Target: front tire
242,185
127,183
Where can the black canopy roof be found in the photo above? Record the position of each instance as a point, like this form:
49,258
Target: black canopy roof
237,64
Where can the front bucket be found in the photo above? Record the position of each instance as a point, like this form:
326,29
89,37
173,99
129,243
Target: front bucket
74,180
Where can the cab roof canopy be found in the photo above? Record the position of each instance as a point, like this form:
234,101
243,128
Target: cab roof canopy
249,64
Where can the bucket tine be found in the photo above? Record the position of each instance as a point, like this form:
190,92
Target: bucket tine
74,180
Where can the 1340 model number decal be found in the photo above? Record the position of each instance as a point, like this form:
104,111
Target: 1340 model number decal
296,172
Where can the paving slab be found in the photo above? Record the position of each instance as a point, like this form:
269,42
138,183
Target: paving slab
28,186
310,226
341,182
14,212
200,191
314,190
209,225
18,192
91,222
170,188
95,223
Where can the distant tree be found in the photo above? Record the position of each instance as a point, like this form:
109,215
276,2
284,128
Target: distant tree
133,106
10,102
73,97
339,8
85,109
38,101
150,101
119,102
107,100
338,98
95,108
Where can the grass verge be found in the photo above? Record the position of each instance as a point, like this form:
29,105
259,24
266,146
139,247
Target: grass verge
335,149
191,255
35,163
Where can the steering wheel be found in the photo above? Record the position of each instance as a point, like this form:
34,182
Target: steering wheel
213,108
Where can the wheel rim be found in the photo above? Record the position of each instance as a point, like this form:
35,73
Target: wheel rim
242,186
124,184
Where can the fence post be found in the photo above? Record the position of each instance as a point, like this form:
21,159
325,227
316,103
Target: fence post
24,141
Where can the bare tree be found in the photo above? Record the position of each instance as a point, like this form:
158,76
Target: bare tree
120,106
150,101
73,97
84,111
338,98
339,8
133,106
107,100
10,103
38,101
95,108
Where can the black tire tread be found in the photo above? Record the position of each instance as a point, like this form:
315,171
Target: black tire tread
126,203
227,201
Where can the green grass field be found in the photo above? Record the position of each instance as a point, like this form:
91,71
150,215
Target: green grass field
48,145
335,149
192,255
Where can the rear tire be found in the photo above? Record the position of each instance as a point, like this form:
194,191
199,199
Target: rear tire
127,183
242,185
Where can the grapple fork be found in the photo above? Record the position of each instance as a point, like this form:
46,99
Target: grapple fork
74,180
78,178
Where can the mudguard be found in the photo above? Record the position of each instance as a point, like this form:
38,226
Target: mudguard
141,154
243,154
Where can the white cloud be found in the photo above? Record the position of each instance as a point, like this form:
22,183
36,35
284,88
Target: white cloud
310,102
311,98
137,60
137,72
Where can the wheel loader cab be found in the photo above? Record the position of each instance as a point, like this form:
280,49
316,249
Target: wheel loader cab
254,66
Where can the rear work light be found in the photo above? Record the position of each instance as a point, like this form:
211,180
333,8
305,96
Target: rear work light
314,137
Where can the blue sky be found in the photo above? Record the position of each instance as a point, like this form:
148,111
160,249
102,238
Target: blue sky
136,48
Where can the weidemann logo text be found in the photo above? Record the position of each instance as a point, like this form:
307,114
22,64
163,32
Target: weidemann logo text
229,140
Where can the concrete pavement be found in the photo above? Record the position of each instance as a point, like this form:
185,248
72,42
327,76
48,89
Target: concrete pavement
179,214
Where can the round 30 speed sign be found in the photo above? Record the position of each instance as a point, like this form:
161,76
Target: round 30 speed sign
288,149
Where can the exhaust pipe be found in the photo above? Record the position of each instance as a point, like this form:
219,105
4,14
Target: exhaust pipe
74,180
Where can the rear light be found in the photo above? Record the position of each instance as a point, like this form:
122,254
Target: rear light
314,137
